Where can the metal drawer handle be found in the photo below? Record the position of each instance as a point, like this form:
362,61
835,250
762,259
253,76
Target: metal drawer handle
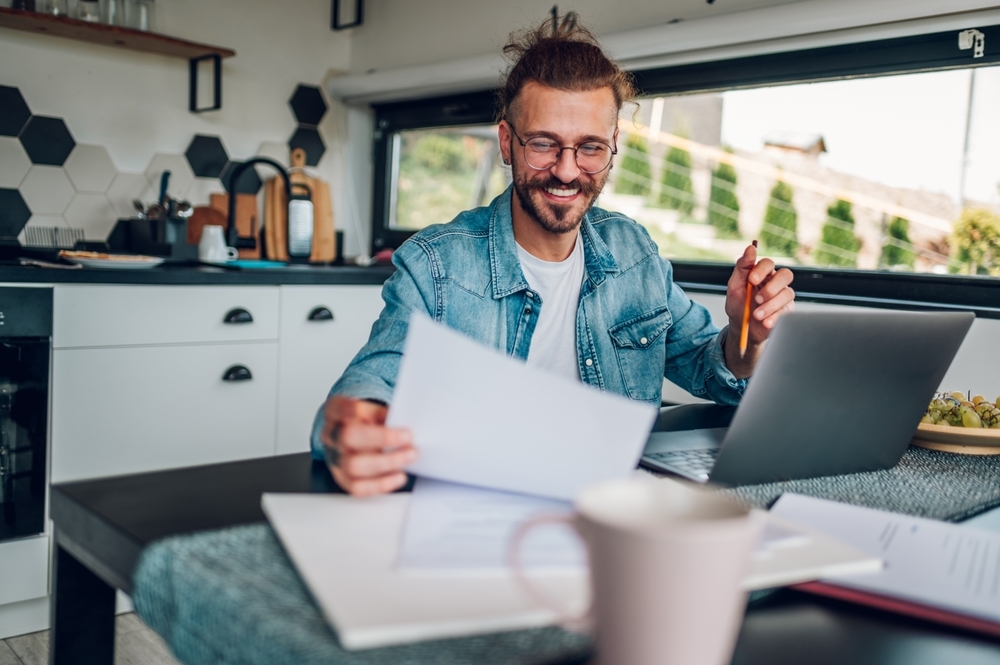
320,314
237,373
237,315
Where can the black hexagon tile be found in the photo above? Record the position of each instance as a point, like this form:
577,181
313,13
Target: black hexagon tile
249,182
14,213
309,140
307,104
207,156
14,112
47,140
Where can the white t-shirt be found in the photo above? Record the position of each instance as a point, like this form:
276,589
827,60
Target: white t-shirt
553,344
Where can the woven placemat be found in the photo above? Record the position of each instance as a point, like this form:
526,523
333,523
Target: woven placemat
233,597
925,483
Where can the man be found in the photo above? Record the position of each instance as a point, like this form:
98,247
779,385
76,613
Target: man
543,276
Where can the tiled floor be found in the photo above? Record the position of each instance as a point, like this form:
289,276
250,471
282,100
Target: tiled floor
135,644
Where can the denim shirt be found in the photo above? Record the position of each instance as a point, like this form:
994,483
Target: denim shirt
634,325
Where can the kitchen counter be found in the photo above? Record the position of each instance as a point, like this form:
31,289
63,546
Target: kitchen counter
195,275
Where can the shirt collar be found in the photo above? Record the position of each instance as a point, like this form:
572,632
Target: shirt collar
506,268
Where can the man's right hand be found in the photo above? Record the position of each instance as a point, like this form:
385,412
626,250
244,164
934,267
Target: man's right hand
364,455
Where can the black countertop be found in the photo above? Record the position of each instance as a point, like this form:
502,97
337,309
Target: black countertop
206,275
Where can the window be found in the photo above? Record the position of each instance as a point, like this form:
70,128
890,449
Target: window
872,169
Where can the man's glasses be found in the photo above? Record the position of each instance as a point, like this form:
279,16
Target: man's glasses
542,154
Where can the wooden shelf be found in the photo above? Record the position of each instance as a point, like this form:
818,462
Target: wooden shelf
109,35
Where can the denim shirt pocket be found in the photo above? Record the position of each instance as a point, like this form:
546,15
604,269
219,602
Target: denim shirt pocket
641,353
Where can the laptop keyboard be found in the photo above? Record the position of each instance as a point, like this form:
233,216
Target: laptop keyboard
690,463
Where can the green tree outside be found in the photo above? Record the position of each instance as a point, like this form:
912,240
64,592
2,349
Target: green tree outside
838,246
898,253
636,175
976,241
780,231
676,190
723,205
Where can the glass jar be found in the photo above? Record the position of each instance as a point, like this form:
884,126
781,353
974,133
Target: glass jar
113,12
54,7
88,10
141,15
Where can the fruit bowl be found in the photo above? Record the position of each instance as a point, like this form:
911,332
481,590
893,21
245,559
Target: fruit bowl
963,440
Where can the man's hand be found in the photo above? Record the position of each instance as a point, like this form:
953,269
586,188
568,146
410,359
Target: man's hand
772,297
365,456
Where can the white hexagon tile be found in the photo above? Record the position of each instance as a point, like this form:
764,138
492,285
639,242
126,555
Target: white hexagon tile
127,187
92,213
90,168
46,190
180,173
14,162
200,190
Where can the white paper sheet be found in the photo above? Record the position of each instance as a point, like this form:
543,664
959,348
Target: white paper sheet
929,562
451,527
481,418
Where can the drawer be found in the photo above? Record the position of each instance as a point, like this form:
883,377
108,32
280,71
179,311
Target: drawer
24,573
133,409
87,315
314,352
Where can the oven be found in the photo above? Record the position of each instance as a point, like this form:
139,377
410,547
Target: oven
25,341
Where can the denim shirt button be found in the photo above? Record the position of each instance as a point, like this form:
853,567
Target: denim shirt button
589,362
527,310
529,294
643,340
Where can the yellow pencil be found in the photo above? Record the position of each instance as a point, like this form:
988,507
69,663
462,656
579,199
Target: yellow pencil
745,330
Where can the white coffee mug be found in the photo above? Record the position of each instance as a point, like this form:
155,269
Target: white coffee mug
212,246
667,563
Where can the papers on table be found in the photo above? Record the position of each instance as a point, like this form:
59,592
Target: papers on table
927,562
456,527
483,419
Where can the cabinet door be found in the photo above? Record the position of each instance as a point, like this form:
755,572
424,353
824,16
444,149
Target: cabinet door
315,350
111,315
134,409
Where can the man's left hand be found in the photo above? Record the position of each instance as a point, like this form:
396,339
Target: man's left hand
772,297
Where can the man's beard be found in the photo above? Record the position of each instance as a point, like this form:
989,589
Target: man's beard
555,218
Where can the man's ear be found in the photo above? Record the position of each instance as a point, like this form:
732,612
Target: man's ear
615,140
503,136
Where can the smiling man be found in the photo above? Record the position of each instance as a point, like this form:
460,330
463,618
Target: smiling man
542,275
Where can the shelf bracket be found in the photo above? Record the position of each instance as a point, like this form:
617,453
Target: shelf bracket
216,84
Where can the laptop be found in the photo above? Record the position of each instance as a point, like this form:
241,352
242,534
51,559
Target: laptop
833,393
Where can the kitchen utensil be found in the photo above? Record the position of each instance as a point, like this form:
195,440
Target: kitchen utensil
61,237
276,228
300,222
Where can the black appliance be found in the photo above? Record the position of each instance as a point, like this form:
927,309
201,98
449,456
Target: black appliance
25,341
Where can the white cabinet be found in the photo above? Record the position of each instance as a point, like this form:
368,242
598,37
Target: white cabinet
24,571
315,349
131,409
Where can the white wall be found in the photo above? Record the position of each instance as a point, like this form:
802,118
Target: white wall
135,104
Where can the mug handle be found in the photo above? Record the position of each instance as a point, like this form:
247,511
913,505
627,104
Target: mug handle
581,623
232,253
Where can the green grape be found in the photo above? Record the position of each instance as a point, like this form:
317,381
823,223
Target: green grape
970,419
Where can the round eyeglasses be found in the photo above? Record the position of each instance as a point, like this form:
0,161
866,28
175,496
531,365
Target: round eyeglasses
542,153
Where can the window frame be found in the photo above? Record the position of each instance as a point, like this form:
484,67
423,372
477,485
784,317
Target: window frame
927,52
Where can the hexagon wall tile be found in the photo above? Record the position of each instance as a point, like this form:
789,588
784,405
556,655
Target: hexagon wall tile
47,190
90,168
180,173
14,213
14,112
249,183
307,104
14,162
92,213
309,140
125,188
200,191
47,140
207,156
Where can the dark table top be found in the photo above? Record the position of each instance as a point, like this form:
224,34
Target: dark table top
107,522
